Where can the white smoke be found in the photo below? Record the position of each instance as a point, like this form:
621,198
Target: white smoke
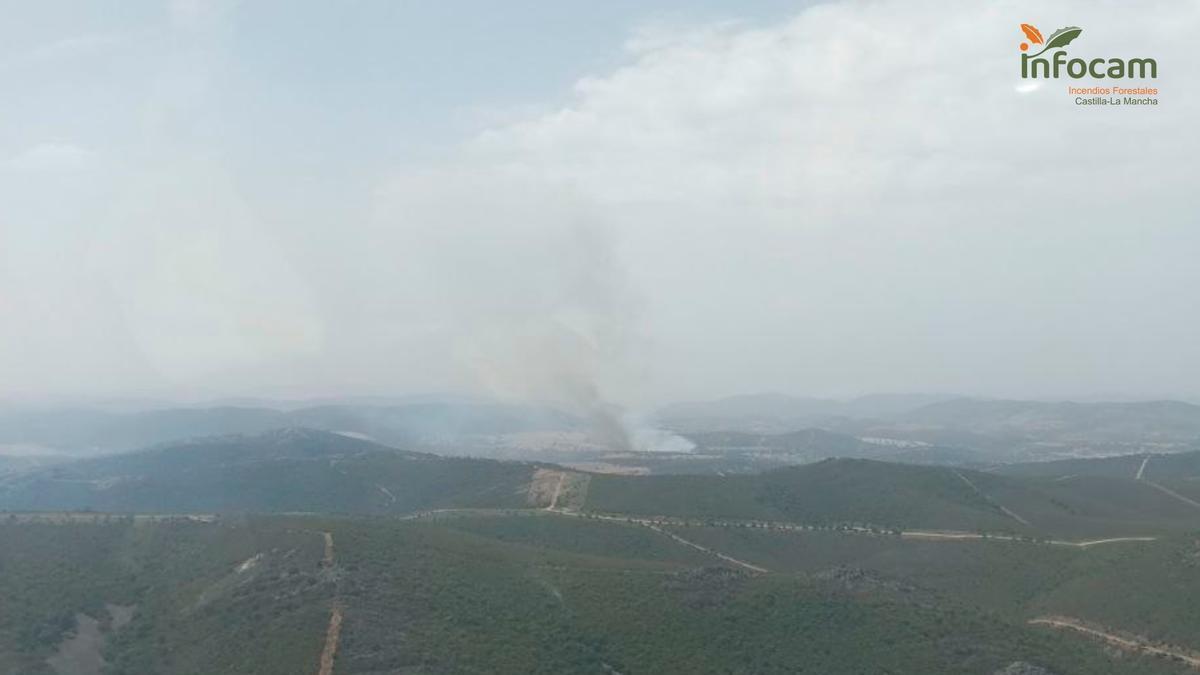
647,438
526,282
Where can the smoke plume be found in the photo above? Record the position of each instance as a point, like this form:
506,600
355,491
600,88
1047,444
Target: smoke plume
533,302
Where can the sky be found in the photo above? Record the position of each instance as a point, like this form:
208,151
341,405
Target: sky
622,203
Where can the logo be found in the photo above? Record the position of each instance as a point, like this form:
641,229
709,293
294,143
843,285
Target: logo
1056,64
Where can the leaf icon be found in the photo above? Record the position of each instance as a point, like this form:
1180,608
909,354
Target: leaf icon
1063,37
1034,35
1059,38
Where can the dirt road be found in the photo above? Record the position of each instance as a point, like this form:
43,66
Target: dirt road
1171,493
1127,643
919,534
991,501
334,631
327,560
332,634
698,547
562,476
654,525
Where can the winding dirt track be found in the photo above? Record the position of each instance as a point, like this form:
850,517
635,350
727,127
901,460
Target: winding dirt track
334,631
1127,643
331,640
918,534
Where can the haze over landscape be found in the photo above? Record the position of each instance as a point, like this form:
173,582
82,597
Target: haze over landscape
614,338
664,202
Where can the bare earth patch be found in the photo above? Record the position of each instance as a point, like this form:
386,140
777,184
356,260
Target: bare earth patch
82,652
556,489
334,631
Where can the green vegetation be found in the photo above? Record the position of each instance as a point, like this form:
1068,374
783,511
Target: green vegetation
433,598
1122,466
896,496
310,471
829,492
626,574
1091,506
539,592
1150,589
198,605
1145,588
996,575
579,535
280,471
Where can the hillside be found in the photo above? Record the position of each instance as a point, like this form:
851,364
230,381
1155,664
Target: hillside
491,566
828,492
541,593
1007,431
1152,466
891,495
177,596
89,431
800,444
1123,422
303,470
932,429
283,470
780,413
811,445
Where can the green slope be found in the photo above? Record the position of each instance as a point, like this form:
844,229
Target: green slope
309,471
286,470
829,492
195,609
1152,466
544,593
432,598
900,496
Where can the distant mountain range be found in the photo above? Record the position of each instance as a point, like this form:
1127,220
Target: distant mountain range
810,445
274,471
755,432
1004,429
306,470
1126,421
88,431
780,412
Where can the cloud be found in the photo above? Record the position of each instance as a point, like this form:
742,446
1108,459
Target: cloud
51,156
840,203
68,48
197,14
839,100
862,197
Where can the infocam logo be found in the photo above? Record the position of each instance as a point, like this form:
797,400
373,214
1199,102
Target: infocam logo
1054,65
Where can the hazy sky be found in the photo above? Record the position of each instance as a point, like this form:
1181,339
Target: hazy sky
628,200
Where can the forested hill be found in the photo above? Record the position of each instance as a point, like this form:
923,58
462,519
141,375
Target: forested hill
275,471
